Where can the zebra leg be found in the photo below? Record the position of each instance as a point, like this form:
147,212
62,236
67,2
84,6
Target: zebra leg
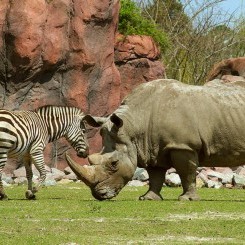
38,160
3,160
29,174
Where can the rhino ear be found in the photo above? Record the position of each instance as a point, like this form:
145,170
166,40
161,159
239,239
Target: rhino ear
94,121
116,120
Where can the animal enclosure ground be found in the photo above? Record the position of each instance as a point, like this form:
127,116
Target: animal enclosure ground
68,214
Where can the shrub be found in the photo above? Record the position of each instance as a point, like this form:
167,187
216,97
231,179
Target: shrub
132,22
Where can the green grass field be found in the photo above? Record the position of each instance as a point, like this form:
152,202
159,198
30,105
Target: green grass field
68,214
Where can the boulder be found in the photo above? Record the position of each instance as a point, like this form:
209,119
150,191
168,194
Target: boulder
136,183
199,183
173,180
70,176
68,170
240,171
49,182
57,174
65,181
20,181
141,174
20,172
238,180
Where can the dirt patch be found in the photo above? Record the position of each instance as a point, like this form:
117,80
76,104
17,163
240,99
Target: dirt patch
206,215
174,239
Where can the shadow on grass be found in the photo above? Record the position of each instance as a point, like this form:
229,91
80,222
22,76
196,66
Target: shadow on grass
37,199
126,200
176,200
222,200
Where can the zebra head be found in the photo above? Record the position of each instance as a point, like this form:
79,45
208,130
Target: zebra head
68,122
76,136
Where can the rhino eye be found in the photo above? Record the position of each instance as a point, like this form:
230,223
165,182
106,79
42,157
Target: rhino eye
114,165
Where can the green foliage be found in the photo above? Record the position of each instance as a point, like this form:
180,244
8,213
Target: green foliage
68,214
239,48
131,21
199,34
169,15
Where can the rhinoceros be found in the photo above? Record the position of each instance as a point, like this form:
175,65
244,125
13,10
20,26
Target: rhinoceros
163,124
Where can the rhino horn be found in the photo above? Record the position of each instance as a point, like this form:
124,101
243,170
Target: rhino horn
85,173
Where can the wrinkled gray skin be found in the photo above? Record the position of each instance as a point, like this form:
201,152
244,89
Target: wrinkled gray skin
164,124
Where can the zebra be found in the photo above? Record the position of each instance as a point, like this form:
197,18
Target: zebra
25,134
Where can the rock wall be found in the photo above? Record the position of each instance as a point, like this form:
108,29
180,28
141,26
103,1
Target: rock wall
58,52
138,60
62,52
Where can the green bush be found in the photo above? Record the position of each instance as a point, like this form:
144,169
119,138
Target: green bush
131,22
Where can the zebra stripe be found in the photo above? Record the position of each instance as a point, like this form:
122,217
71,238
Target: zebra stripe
26,133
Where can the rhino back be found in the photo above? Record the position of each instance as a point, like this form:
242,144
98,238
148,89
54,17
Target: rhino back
167,114
221,125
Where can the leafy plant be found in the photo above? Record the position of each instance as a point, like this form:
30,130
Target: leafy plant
132,22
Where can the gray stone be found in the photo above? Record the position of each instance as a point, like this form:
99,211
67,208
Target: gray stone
229,186
70,176
20,180
5,184
240,170
227,178
65,181
50,182
173,180
210,183
238,180
20,172
199,182
218,185
141,174
211,173
171,170
202,175
136,183
8,179
57,174
68,170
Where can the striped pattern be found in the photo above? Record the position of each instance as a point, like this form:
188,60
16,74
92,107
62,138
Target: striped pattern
26,133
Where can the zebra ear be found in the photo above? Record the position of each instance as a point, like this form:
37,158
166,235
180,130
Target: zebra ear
94,121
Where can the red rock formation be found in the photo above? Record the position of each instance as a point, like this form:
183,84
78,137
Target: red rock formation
61,52
138,60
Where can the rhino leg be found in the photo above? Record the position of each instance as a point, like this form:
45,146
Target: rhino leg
156,179
185,162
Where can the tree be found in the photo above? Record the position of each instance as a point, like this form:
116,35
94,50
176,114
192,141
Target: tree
239,48
168,14
200,35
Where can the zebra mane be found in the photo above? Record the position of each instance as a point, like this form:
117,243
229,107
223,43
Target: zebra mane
56,111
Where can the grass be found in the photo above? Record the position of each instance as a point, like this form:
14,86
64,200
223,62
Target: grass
68,214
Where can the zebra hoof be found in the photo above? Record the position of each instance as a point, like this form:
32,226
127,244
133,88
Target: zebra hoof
30,195
3,197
